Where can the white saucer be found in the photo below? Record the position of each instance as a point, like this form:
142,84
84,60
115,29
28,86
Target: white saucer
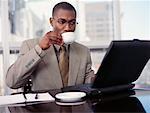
70,103
70,96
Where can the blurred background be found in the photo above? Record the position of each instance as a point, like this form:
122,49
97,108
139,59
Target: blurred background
100,22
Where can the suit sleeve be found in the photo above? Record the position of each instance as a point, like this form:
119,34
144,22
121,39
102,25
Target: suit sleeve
89,75
20,72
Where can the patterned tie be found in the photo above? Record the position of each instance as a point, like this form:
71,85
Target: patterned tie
64,65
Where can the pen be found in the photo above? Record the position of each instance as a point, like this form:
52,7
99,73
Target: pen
24,96
36,96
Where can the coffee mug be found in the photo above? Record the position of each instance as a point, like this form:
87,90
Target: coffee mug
68,37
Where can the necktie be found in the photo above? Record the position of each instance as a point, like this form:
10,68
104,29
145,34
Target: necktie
64,65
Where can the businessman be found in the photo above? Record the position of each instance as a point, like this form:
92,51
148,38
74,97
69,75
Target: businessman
40,59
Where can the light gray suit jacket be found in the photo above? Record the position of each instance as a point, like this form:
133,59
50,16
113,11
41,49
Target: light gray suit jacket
44,70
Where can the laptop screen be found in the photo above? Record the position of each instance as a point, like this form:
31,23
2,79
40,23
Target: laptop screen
122,63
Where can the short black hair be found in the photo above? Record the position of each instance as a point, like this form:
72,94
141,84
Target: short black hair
63,5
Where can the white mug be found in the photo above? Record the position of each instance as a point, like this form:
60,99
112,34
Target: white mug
68,37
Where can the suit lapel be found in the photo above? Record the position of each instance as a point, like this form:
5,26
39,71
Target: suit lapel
74,62
50,60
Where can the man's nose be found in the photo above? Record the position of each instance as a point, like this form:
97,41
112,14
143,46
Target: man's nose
67,28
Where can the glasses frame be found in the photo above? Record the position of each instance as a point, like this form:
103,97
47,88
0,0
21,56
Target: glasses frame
64,22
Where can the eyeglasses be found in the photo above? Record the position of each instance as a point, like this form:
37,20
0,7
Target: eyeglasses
62,21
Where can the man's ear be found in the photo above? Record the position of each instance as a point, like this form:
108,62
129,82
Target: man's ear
51,21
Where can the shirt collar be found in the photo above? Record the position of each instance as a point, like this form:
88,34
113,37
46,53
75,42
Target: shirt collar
57,47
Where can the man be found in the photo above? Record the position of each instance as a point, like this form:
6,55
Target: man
39,58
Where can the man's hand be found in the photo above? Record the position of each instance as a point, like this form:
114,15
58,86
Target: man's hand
49,39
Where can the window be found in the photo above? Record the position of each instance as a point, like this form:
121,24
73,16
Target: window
101,22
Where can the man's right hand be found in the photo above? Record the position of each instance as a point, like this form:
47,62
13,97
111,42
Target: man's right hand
49,39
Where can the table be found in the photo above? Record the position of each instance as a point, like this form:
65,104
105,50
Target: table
121,102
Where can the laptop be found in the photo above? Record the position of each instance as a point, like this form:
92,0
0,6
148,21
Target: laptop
120,67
